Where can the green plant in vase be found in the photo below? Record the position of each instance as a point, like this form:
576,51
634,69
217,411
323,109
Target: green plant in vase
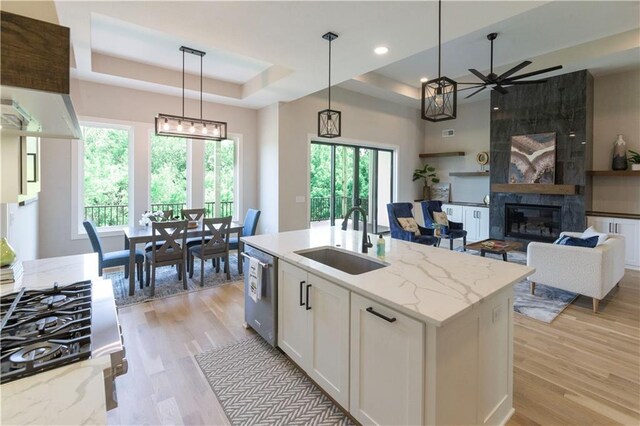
428,175
634,159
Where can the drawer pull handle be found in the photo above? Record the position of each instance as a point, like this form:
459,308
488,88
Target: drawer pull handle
301,284
379,315
308,307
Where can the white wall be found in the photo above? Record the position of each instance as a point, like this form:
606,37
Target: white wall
20,227
112,103
364,119
472,134
268,169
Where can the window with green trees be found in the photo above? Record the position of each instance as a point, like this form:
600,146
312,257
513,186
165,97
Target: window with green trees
168,185
105,175
220,177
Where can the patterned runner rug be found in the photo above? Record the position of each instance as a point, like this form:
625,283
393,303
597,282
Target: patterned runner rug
258,385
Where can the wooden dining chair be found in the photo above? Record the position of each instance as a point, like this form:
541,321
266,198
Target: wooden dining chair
192,214
212,246
171,251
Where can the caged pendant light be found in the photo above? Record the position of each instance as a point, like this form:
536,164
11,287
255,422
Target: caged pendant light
329,123
439,97
189,127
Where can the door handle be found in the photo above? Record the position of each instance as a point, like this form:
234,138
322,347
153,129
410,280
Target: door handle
379,315
301,284
308,307
610,228
617,229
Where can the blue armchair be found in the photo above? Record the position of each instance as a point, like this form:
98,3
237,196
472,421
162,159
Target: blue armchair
397,210
455,228
112,258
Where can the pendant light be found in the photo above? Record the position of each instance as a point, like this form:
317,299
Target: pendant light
439,98
329,123
190,127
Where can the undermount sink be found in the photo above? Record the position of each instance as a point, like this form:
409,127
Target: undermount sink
342,260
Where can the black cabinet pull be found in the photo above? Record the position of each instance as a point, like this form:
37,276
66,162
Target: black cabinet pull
301,284
307,301
379,315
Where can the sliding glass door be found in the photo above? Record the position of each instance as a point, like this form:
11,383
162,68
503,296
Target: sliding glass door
345,175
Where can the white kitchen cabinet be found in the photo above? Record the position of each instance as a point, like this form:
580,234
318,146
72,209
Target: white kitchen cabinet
628,228
476,223
454,212
387,362
313,328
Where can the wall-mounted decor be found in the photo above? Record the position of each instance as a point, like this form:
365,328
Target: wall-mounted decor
533,158
482,159
619,161
441,192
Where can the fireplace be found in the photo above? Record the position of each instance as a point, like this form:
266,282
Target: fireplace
532,222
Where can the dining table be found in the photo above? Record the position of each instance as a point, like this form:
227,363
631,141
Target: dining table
134,235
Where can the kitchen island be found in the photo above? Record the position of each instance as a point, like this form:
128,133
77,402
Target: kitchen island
74,393
426,339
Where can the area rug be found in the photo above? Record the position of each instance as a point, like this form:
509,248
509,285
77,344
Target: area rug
546,304
167,283
258,385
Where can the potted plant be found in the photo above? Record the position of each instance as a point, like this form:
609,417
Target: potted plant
634,159
428,175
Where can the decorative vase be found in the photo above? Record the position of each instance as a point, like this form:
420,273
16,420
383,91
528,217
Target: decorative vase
619,154
7,255
426,192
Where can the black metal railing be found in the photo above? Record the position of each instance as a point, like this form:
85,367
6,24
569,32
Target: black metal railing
321,207
174,207
111,215
226,208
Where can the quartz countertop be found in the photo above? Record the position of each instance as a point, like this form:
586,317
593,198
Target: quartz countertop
72,394
431,284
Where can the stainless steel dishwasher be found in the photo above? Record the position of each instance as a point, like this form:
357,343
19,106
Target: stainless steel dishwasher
262,315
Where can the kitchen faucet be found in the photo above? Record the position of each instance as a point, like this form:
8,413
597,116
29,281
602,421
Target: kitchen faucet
366,242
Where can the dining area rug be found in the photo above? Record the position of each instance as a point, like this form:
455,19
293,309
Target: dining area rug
167,283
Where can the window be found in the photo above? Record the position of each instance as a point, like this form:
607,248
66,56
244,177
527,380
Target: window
168,184
104,174
220,178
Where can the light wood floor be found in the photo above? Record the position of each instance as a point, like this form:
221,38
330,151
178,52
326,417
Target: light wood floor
582,369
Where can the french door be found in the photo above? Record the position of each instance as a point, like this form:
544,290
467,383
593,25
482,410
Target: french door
343,176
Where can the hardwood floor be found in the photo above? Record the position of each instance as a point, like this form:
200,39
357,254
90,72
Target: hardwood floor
581,369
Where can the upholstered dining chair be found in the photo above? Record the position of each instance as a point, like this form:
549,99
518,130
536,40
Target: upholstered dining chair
172,250
215,246
248,229
455,228
405,210
112,258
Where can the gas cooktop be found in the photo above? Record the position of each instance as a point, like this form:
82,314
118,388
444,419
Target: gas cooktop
44,329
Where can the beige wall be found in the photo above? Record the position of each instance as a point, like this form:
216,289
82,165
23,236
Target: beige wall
471,136
268,169
616,110
364,120
138,108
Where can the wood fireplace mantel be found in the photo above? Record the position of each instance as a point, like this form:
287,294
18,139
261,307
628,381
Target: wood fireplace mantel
535,188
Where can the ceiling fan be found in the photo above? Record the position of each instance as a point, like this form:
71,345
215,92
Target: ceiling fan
498,82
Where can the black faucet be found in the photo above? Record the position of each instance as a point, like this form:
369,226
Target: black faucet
366,241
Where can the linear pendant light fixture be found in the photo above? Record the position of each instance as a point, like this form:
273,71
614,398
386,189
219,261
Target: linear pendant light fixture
329,123
439,97
190,127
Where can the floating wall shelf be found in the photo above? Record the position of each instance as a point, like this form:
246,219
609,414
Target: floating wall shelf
613,172
535,188
469,174
442,154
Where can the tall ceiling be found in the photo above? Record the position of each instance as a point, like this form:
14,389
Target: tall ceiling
259,53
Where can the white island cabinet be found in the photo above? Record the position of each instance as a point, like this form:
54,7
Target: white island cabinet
425,339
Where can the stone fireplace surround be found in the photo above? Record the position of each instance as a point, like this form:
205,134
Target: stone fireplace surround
562,105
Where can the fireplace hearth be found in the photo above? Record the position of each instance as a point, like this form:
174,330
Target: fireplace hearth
532,222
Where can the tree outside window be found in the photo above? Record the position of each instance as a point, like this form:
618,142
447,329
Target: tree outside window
219,178
168,186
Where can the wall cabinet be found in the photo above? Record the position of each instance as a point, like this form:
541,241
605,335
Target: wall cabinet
628,228
387,361
313,328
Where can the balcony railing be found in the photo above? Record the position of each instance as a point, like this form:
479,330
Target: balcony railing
114,215
321,207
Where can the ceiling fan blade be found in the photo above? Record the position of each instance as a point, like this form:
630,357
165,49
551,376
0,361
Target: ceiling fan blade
471,84
478,74
524,82
531,74
476,92
513,70
473,87
500,89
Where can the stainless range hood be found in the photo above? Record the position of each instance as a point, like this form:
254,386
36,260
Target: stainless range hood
27,112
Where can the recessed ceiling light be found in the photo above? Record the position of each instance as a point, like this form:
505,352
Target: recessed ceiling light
381,50
424,80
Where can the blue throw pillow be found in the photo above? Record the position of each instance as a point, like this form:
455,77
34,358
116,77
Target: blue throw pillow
560,241
580,242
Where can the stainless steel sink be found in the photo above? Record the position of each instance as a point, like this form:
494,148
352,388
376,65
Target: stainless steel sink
343,260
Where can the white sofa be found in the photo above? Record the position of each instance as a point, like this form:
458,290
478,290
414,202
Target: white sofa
588,271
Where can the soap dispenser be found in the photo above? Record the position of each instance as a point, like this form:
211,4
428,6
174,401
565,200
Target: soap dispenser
380,247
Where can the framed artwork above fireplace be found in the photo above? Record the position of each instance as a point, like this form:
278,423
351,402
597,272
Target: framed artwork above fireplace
533,158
